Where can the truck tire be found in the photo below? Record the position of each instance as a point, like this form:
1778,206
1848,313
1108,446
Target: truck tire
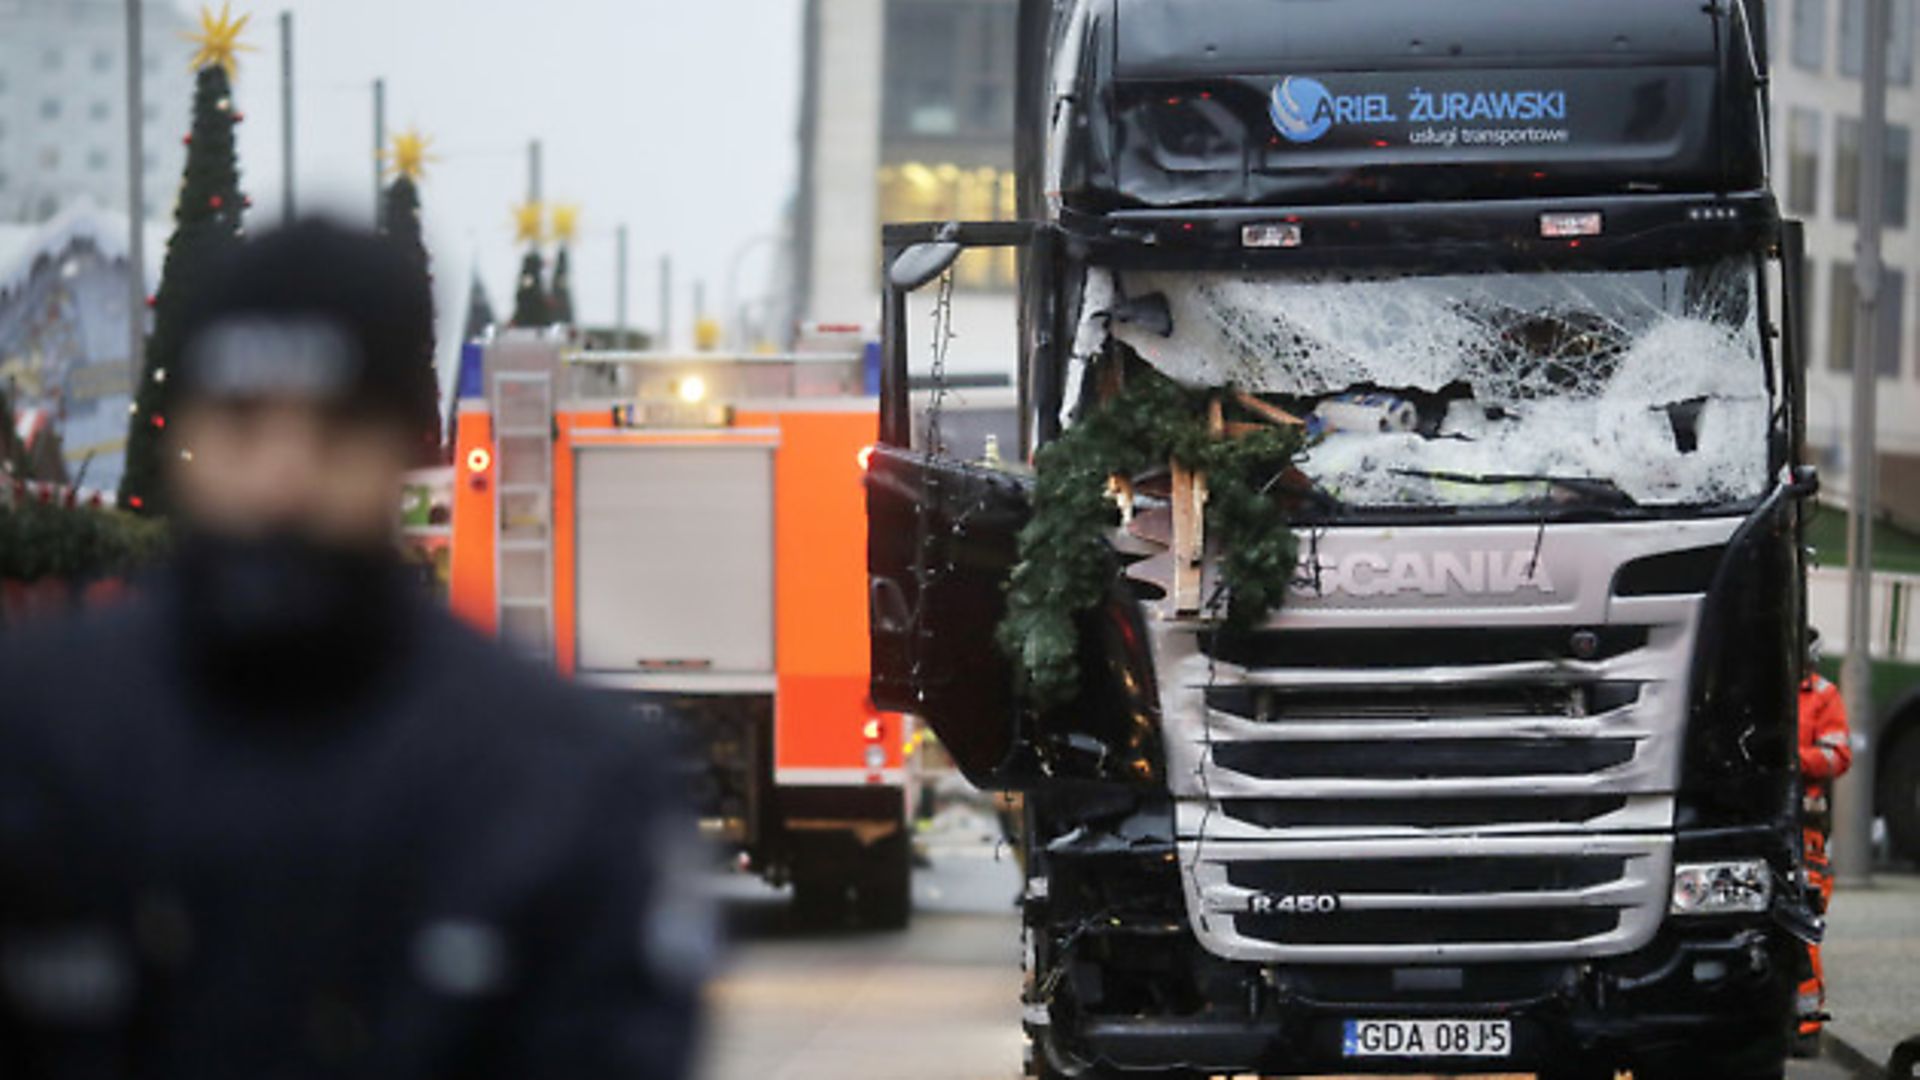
819,899
1900,794
883,898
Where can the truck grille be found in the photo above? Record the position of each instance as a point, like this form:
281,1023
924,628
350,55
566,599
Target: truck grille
1482,781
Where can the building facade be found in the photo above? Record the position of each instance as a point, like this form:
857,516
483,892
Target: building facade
63,125
906,115
1819,49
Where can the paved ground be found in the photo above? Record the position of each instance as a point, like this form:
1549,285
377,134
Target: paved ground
938,1002
1872,955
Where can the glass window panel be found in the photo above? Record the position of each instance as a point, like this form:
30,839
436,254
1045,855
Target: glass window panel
1846,169
1803,161
1853,36
1810,34
1842,300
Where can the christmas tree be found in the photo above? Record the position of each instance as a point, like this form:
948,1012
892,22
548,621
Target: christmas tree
531,305
400,218
206,220
566,221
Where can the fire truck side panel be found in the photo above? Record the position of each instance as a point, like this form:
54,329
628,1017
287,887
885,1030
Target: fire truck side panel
820,583
470,588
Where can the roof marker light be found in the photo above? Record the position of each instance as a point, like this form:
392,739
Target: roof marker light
1567,225
1273,235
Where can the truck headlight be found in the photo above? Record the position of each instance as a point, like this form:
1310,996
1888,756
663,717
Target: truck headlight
1722,888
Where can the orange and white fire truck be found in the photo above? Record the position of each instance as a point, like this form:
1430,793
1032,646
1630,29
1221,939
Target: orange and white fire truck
687,533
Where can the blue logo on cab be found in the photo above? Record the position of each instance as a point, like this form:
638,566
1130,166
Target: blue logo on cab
1302,109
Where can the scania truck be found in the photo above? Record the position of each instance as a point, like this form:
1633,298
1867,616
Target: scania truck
1506,784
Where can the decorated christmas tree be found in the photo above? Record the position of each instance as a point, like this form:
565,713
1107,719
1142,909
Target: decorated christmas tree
400,219
566,222
531,305
206,220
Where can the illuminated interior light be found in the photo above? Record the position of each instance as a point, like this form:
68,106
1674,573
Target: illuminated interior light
692,389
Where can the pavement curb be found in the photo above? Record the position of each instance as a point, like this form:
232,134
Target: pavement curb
1858,1054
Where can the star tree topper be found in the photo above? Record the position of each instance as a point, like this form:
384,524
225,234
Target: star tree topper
528,225
219,39
566,222
410,155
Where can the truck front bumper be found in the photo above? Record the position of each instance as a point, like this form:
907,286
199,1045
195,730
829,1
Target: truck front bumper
1713,1000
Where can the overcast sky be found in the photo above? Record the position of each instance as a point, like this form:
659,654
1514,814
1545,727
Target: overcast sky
676,118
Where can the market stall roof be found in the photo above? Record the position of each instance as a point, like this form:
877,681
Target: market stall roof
21,245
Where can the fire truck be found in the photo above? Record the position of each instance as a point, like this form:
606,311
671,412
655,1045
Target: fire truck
685,534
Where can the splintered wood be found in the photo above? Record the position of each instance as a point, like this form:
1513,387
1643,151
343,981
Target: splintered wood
1190,525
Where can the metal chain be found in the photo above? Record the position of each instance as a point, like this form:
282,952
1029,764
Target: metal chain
943,336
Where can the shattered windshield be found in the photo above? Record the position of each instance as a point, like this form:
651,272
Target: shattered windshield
1630,387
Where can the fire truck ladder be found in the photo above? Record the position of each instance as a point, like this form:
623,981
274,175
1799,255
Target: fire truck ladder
523,410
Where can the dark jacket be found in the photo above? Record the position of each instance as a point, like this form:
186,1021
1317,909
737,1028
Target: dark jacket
457,869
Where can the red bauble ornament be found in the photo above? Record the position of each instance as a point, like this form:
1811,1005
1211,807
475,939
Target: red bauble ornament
136,501
214,201
153,301
239,116
187,139
246,201
159,421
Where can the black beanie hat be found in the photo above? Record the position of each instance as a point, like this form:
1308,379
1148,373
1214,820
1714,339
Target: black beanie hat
314,310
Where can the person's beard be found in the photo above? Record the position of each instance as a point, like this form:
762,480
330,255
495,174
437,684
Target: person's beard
287,621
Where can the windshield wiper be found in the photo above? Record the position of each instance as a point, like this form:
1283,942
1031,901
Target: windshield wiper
1591,487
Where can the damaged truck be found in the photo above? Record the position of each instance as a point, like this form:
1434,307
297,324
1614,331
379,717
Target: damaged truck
1502,779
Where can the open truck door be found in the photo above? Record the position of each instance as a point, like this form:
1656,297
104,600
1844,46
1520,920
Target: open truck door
941,537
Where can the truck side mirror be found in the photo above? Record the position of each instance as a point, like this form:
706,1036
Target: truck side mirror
921,263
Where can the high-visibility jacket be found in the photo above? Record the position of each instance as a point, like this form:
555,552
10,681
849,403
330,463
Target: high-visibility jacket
1826,752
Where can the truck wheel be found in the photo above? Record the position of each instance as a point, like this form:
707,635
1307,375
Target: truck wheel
819,899
1900,795
883,898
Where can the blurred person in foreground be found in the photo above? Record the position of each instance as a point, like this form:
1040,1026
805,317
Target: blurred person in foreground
280,818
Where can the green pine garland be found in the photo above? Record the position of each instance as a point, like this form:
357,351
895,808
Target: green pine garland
1066,566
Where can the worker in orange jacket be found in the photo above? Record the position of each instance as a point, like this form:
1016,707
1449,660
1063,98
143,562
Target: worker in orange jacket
1826,752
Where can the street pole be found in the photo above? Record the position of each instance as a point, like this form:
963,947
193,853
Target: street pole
666,303
379,153
620,288
533,172
1853,798
136,198
286,117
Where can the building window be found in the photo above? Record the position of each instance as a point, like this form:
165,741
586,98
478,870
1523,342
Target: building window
1853,37
1846,172
1803,161
1810,34
98,111
914,191
50,109
949,69
1845,300
49,158
51,59
102,61
97,159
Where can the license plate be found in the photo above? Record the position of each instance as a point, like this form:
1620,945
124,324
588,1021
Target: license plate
1428,1038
